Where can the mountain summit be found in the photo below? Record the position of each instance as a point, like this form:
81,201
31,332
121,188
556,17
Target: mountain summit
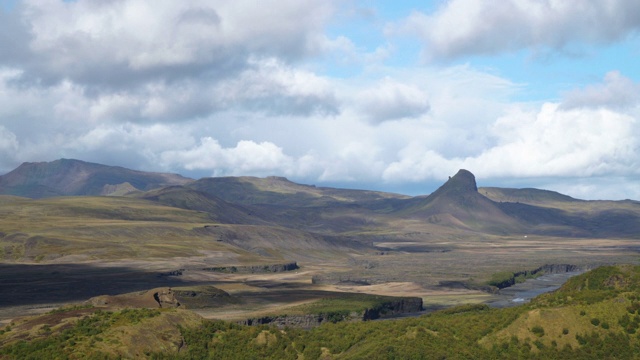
462,183
458,203
459,192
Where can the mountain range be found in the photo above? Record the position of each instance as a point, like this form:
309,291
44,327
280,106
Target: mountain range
458,205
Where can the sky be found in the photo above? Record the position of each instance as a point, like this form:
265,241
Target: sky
382,95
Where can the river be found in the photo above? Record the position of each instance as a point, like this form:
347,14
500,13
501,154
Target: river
524,292
515,295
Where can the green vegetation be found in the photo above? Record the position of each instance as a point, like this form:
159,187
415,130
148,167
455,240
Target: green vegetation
340,306
65,309
505,279
607,282
538,330
550,327
86,331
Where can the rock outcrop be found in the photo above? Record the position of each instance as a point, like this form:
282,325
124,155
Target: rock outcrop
392,308
166,298
201,297
195,297
155,298
543,270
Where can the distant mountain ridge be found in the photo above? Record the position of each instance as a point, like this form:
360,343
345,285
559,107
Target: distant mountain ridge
66,177
458,205
274,190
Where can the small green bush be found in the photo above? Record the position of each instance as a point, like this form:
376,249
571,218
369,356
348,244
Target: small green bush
538,330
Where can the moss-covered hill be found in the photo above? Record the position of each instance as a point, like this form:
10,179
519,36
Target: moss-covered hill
593,316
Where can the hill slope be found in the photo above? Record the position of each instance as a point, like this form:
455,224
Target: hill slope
74,177
279,191
185,198
594,316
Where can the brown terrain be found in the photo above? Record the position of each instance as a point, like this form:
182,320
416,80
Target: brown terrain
73,232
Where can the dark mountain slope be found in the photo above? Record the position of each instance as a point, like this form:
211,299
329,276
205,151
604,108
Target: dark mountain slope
74,177
593,219
546,220
282,192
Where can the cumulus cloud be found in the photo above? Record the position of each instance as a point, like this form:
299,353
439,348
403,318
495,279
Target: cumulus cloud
246,157
68,66
120,43
390,100
555,142
469,27
266,86
275,88
616,92
543,143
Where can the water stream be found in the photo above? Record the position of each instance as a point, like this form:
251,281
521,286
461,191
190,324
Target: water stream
524,292
515,295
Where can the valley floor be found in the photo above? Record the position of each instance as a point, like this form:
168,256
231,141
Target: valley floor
441,279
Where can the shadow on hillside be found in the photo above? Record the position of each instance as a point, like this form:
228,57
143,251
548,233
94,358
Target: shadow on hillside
23,284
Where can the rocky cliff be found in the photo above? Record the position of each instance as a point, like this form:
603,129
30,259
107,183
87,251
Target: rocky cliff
387,309
543,270
393,308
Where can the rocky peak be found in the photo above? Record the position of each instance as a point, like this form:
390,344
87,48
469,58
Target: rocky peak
464,180
461,183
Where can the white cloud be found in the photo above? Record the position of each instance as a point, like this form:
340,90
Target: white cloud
391,100
28,110
127,41
150,139
247,157
616,92
275,88
595,188
417,164
268,86
543,143
466,27
554,142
